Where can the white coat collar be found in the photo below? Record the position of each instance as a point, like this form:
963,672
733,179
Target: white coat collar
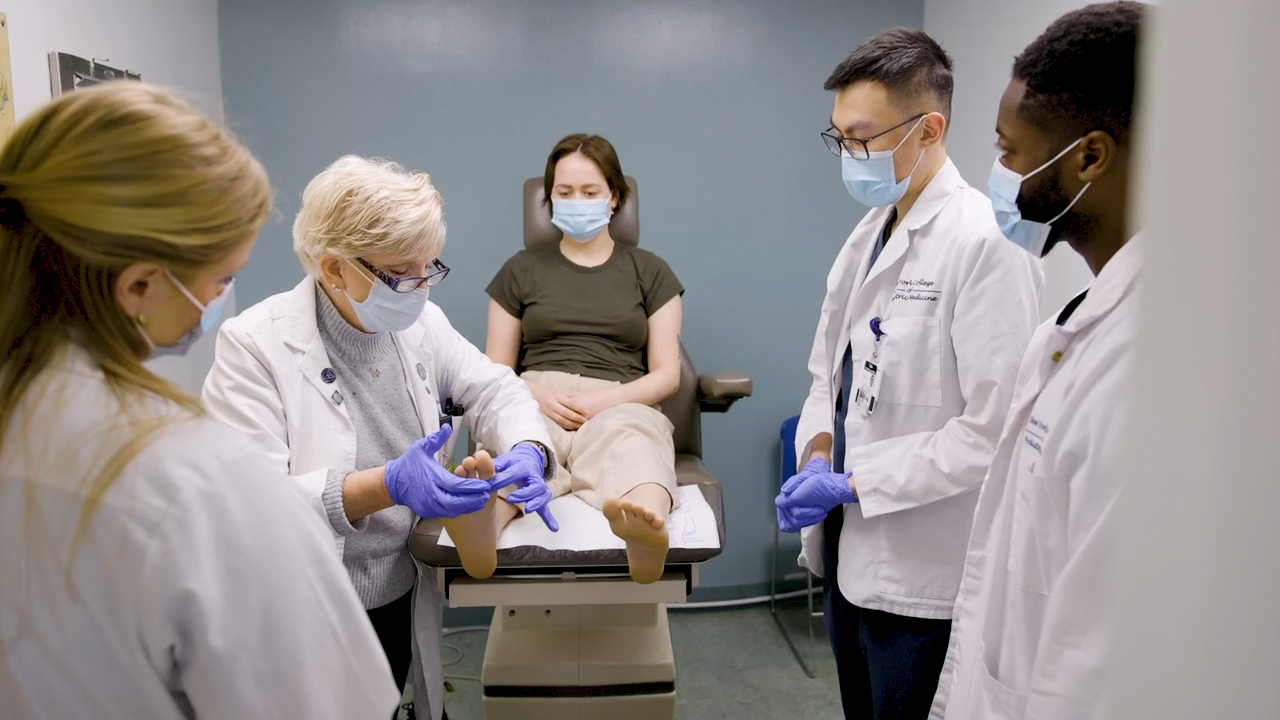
301,328
301,333
933,198
1117,280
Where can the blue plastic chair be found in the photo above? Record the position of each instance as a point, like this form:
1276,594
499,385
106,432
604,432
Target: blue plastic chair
786,469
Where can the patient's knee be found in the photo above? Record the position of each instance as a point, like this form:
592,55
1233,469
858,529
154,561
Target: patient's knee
626,420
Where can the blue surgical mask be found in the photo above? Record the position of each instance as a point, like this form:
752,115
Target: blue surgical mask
582,220
209,316
1004,186
386,310
874,181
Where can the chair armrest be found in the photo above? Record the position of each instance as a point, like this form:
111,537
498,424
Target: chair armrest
717,391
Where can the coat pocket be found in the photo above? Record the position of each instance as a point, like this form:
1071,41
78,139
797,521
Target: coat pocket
999,701
911,353
978,694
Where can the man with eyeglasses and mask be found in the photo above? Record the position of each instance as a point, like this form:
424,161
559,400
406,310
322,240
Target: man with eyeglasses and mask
927,312
1034,616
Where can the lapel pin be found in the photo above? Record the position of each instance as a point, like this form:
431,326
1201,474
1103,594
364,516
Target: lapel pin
328,376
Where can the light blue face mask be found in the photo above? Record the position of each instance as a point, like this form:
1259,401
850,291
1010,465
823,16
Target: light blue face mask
874,181
386,310
1004,186
209,316
582,220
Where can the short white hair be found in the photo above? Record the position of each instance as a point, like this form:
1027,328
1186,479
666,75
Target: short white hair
360,206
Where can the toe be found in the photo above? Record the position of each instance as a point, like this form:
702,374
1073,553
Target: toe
484,464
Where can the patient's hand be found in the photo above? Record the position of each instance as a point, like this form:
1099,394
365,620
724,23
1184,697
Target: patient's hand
592,403
555,406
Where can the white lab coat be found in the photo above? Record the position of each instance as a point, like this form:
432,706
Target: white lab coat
1033,619
267,380
200,587
958,304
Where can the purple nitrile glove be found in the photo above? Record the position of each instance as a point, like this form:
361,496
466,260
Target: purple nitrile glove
793,520
821,491
524,467
416,481
813,467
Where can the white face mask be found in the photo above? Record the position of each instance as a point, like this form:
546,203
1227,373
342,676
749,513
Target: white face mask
580,220
1004,186
386,310
874,181
209,316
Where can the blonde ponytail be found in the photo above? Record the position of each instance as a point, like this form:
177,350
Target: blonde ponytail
91,183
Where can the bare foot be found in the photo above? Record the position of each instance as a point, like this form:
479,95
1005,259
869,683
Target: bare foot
645,531
476,535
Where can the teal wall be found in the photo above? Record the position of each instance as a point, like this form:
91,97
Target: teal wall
714,106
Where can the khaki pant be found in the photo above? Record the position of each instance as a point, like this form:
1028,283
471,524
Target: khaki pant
613,452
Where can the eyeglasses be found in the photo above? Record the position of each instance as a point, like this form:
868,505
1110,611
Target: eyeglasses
857,147
439,271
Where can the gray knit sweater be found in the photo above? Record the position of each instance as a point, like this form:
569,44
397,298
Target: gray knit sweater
372,382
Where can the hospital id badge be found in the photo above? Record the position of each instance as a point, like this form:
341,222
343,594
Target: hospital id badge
867,387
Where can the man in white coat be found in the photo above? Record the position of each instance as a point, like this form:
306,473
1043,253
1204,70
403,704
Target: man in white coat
1033,621
927,312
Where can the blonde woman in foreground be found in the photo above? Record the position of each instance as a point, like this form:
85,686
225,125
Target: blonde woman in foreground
150,565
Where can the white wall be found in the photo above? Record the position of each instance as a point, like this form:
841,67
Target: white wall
173,43
983,36
1199,628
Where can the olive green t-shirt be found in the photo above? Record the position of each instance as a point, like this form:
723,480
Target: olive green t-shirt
590,321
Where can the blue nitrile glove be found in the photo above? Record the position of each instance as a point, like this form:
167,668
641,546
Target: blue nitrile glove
815,490
524,467
426,487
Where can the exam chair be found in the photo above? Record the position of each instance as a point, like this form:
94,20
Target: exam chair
572,636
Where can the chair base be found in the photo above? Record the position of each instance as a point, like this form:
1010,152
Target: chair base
809,617
605,662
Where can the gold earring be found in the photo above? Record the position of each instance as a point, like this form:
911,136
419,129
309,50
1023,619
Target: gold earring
142,319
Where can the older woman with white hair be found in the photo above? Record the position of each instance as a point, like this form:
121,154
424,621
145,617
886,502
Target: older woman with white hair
350,382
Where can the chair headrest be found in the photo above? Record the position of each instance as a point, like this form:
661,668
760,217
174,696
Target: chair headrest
539,232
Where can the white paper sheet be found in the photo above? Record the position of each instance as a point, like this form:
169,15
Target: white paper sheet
692,526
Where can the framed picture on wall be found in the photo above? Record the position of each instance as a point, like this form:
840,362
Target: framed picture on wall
6,82
68,72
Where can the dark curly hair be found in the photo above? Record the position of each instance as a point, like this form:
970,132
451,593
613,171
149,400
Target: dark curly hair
1081,73
912,66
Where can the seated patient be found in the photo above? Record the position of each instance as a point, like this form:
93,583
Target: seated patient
595,327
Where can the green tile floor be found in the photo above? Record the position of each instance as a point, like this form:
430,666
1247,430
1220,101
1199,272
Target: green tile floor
730,663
